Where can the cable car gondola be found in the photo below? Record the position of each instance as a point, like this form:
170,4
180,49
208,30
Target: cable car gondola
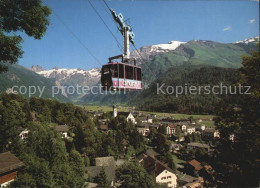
122,75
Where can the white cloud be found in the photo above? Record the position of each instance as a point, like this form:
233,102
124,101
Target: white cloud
252,21
227,28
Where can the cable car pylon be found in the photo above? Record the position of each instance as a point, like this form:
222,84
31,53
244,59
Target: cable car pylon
124,75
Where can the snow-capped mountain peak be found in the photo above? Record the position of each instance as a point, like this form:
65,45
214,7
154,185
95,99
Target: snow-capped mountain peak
65,73
246,41
172,45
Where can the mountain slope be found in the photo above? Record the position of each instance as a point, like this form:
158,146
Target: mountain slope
157,59
199,52
24,78
171,92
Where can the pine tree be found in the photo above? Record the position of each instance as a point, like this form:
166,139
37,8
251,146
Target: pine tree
239,159
101,179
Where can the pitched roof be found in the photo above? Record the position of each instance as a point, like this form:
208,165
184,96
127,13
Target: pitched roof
105,161
151,152
196,144
154,166
9,162
93,171
126,114
62,128
104,127
172,125
209,130
195,164
141,156
187,178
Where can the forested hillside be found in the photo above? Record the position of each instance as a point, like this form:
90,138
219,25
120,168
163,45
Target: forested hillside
186,76
51,160
191,54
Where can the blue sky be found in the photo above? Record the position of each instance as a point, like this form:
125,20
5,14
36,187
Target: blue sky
75,27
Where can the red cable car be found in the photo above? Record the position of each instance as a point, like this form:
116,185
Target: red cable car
121,76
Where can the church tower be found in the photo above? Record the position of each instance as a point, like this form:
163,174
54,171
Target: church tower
114,111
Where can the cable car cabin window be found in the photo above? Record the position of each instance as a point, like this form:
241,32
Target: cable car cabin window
129,72
121,70
115,68
139,74
106,70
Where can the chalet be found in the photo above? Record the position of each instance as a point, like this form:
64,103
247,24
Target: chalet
148,152
108,163
9,167
183,128
196,145
193,167
156,126
143,130
209,134
190,129
163,174
146,119
170,129
93,171
188,181
63,130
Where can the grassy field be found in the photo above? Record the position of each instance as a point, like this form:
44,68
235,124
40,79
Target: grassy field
105,108
182,116
208,124
207,118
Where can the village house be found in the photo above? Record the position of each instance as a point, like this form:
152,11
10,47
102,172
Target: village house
146,119
209,134
188,181
143,130
163,174
196,145
170,129
193,167
190,129
63,130
176,147
147,152
9,167
108,163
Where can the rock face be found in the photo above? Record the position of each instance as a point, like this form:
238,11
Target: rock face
36,68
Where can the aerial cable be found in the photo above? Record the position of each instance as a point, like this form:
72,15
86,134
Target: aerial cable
105,24
75,36
144,62
109,15
142,59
